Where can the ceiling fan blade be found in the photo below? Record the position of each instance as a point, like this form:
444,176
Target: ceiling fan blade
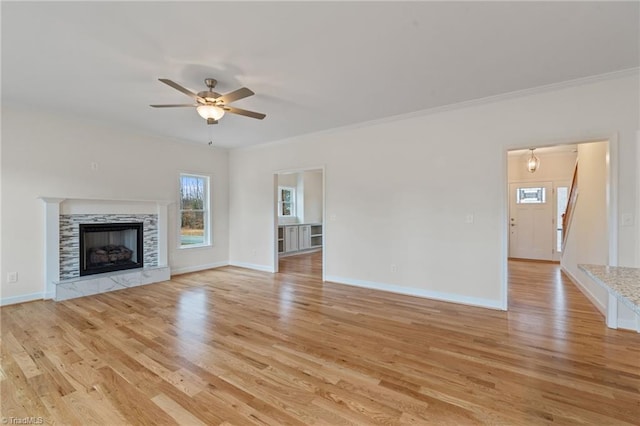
174,105
244,112
243,92
182,89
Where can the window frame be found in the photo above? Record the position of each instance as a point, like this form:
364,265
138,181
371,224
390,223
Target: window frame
520,199
206,211
292,202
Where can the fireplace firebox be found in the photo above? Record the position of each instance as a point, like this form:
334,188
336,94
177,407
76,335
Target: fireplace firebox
108,247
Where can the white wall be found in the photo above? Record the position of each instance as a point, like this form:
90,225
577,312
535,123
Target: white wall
398,191
587,238
288,179
312,196
554,167
51,155
636,217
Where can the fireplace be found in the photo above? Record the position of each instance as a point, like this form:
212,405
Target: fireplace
107,247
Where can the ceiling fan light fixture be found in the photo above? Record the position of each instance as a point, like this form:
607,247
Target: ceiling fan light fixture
533,162
210,111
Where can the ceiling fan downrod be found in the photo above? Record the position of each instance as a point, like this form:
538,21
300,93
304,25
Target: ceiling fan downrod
211,83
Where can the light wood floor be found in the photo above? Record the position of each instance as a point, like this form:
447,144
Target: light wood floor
235,346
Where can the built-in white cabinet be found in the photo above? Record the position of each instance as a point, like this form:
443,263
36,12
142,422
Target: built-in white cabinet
304,237
291,238
299,237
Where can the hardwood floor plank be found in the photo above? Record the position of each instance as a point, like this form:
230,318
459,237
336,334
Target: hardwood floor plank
130,402
58,410
235,346
92,407
176,411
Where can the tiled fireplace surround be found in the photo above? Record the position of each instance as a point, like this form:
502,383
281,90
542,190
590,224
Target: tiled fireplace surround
62,219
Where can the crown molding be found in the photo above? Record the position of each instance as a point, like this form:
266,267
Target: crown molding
456,106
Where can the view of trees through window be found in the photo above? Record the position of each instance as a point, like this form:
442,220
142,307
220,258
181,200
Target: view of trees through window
287,197
193,209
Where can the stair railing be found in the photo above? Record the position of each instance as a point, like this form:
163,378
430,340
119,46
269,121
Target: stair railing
571,204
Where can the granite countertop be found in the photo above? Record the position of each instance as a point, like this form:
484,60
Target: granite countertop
623,282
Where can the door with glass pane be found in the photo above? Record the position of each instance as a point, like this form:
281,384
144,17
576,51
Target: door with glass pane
531,220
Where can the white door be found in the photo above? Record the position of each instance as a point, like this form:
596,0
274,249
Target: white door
290,238
531,224
304,237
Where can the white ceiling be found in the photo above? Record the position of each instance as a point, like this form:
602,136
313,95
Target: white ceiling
313,65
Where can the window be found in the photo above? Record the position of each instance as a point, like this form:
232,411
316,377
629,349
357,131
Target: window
194,210
531,195
286,201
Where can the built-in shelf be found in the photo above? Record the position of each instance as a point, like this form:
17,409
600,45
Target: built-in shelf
299,237
280,239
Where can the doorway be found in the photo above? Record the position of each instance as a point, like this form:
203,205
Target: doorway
537,200
597,188
299,226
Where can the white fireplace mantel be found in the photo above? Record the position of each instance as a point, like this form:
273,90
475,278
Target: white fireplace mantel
52,213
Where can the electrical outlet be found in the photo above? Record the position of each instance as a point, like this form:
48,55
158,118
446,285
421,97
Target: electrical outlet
394,267
12,277
469,218
94,166
627,219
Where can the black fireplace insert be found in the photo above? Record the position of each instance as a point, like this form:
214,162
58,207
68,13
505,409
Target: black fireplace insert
108,247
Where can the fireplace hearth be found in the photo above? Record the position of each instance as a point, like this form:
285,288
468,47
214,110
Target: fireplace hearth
108,247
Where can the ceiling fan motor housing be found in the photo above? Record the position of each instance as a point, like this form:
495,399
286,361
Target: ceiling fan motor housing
208,95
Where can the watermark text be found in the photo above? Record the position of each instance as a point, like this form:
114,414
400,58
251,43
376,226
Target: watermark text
22,420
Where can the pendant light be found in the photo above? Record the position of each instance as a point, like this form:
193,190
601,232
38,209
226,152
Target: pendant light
533,162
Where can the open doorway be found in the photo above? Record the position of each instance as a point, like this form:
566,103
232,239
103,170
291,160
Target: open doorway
299,222
577,225
537,199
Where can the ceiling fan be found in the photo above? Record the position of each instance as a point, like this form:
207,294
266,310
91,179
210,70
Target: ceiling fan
211,105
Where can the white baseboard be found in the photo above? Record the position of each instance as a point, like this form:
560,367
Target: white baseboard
263,268
21,299
629,324
187,269
594,300
412,291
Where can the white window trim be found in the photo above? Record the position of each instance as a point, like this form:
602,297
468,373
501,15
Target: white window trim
207,213
543,197
293,201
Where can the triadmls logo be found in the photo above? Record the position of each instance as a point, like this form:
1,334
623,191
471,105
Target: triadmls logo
22,420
